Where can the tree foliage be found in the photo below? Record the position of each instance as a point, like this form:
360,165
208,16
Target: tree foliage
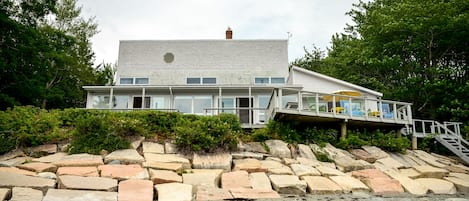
411,50
45,53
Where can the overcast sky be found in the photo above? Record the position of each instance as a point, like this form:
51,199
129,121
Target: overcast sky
309,21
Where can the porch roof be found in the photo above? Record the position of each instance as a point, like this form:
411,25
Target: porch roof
116,88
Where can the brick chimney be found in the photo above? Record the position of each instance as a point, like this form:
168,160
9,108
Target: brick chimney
229,34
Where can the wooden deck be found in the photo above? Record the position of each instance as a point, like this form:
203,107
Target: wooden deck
332,108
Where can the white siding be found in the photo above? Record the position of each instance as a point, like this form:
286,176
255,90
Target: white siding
230,61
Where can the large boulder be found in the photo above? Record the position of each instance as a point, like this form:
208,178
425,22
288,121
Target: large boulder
122,172
152,158
259,180
462,185
304,151
248,164
164,176
128,156
304,170
38,167
328,171
212,161
363,155
174,191
252,147
77,160
246,154
236,179
427,171
9,180
91,171
152,147
288,184
79,195
375,152
349,184
26,194
135,190
203,177
87,183
249,194
378,182
411,186
437,186
274,167
5,193
321,185
278,148
205,193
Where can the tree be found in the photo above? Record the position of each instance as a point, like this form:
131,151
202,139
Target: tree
45,55
412,50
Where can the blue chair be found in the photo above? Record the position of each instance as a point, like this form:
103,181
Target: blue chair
387,114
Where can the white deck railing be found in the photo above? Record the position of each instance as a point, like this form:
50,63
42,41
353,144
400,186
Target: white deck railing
339,106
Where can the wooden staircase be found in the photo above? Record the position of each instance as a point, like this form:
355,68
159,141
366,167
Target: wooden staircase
448,134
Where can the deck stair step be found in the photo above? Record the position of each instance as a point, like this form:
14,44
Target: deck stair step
448,134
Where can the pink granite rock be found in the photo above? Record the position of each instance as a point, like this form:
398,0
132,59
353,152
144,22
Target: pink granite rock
362,154
164,176
212,193
236,179
122,172
38,167
383,185
78,171
369,174
135,190
248,193
17,171
79,160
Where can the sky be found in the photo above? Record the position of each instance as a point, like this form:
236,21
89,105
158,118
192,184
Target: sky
309,22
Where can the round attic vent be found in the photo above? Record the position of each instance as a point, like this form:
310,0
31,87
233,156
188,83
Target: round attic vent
168,57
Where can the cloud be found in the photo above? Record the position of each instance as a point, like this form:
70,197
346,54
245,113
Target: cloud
309,21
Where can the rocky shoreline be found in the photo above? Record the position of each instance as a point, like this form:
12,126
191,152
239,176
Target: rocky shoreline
272,170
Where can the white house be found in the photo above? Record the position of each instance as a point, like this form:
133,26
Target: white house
250,78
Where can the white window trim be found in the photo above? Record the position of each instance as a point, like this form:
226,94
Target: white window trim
134,80
269,80
201,81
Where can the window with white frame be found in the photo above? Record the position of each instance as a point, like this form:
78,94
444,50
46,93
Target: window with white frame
126,80
139,80
201,80
133,80
193,104
269,80
277,80
261,80
263,103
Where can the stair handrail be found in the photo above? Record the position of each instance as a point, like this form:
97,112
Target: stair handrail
456,133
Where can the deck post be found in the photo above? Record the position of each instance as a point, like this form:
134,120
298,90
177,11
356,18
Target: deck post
143,97
343,130
300,101
280,95
220,101
111,94
414,142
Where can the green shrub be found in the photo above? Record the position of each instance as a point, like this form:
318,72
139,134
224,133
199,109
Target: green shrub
320,136
390,142
96,133
208,133
30,126
323,157
7,142
260,135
